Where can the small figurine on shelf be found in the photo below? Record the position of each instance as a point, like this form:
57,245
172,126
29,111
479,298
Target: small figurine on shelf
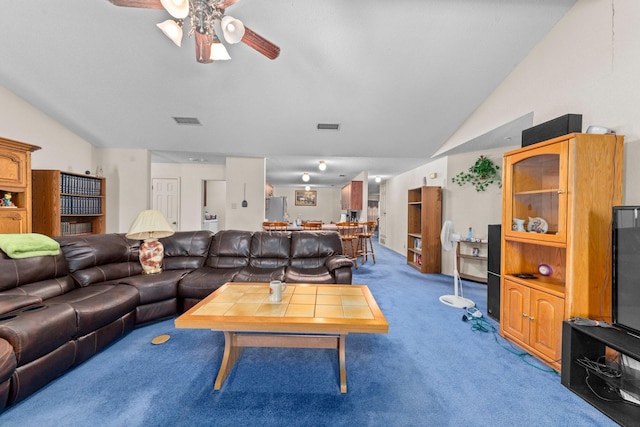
6,201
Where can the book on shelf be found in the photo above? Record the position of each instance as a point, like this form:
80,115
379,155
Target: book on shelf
83,185
417,243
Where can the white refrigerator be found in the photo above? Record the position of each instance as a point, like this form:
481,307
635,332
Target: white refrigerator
276,207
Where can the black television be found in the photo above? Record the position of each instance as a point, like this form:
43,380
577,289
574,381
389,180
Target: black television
626,268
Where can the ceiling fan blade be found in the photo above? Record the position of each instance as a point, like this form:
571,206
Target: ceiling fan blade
203,48
227,3
146,4
260,44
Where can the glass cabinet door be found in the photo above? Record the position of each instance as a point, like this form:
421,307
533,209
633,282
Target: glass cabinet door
537,193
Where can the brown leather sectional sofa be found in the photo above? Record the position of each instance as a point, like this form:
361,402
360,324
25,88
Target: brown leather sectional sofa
58,311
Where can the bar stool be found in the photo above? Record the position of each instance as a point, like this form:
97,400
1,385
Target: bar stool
365,242
349,236
275,226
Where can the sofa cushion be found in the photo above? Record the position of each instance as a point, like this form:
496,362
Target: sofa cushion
99,258
270,249
18,272
186,249
156,287
15,302
309,275
257,274
229,249
98,305
311,249
201,282
24,330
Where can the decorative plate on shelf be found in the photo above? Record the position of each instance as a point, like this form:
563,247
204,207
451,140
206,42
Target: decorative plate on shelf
545,269
537,225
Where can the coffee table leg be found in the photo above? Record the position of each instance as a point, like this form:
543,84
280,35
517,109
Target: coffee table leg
231,354
342,355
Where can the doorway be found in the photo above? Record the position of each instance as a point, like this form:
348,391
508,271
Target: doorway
214,201
165,195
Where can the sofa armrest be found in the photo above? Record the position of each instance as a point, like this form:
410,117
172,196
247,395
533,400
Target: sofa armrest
335,262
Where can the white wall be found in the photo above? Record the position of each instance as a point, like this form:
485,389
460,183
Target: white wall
126,171
246,178
588,64
128,183
21,121
326,210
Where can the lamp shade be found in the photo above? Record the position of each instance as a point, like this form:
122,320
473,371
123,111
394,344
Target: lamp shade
176,8
149,224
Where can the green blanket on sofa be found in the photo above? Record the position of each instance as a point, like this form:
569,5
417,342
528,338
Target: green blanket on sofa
28,245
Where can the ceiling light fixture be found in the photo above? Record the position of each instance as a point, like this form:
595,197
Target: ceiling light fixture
306,177
322,166
204,16
378,179
307,187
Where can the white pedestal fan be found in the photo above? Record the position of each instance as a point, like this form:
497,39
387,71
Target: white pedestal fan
449,241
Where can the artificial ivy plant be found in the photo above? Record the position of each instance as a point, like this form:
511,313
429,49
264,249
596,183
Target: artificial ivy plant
482,174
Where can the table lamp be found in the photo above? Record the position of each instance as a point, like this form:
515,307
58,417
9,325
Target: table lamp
150,225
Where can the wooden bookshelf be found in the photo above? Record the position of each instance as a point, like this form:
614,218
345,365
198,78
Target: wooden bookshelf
68,204
423,235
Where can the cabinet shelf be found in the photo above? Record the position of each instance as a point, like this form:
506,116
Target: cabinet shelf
592,343
546,191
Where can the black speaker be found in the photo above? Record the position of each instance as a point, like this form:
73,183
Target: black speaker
569,123
493,274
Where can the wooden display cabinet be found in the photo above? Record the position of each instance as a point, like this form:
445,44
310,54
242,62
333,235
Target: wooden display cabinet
67,204
571,183
424,222
15,178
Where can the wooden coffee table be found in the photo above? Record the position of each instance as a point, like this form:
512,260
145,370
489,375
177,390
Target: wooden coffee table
309,316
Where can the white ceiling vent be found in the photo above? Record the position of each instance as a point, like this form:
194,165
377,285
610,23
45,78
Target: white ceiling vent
193,121
328,126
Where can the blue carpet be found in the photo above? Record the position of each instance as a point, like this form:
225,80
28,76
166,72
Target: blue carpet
431,369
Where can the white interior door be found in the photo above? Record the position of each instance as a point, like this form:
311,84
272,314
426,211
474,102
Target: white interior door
166,198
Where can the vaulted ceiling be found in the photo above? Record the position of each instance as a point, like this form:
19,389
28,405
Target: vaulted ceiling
399,77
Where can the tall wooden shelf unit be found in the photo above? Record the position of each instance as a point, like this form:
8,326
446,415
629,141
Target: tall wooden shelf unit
15,178
424,224
66,204
572,182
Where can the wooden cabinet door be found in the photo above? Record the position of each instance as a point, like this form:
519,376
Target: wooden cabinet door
515,311
546,324
536,187
13,221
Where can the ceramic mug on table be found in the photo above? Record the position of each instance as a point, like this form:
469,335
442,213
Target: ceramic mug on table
276,288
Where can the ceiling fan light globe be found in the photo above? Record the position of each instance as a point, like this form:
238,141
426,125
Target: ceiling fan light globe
219,52
232,29
173,30
176,8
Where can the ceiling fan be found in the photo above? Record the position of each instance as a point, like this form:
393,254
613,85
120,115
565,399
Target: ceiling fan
203,14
